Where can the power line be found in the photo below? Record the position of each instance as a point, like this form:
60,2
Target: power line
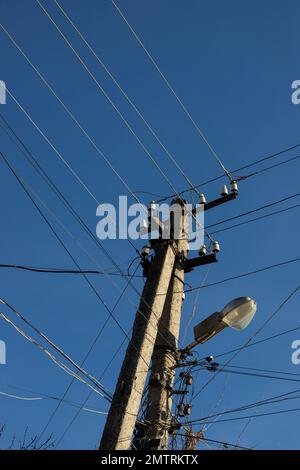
43,396
54,188
128,99
261,370
71,115
271,214
99,86
269,338
57,361
239,276
257,209
58,270
228,370
258,415
119,113
57,237
264,324
214,441
248,165
55,347
99,333
267,401
170,87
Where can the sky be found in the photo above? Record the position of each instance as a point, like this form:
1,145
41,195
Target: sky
232,64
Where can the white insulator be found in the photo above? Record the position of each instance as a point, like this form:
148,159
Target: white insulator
202,199
152,206
215,247
224,190
234,186
183,295
202,251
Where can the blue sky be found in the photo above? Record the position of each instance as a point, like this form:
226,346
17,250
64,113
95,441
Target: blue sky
232,63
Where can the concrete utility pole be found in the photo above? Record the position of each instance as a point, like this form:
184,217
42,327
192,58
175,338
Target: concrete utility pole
126,401
159,408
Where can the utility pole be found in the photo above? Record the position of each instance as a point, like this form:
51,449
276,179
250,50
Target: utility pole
155,335
165,357
126,401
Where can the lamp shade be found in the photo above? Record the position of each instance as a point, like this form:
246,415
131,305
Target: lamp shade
239,312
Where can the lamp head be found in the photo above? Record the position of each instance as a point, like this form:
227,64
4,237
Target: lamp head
239,312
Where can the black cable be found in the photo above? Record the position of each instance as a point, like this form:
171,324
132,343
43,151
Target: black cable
82,363
249,374
215,441
35,164
59,270
269,371
263,170
267,401
238,418
269,338
59,239
255,219
249,273
265,206
244,167
262,326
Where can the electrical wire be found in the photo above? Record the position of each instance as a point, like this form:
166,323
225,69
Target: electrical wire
224,443
257,209
258,415
93,344
269,338
228,370
58,270
239,276
28,191
271,214
111,102
57,348
43,396
248,165
170,87
53,358
268,401
71,115
128,99
262,326
121,116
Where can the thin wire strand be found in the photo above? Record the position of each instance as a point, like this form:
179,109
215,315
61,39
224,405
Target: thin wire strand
182,105
129,100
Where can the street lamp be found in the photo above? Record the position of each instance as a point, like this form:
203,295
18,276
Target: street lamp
237,314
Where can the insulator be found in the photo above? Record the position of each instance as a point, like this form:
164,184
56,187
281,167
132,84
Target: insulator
188,380
224,190
202,199
215,247
187,410
209,358
144,223
152,206
202,251
146,251
180,408
234,186
183,295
